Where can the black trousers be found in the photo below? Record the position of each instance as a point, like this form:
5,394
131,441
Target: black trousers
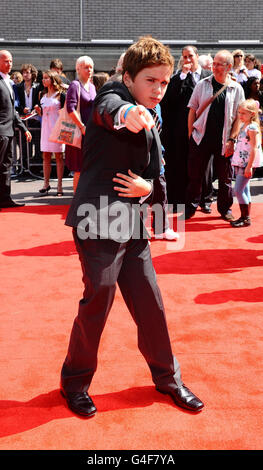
6,156
27,147
105,263
160,222
199,159
176,172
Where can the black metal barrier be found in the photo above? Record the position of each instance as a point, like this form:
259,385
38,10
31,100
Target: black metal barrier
27,157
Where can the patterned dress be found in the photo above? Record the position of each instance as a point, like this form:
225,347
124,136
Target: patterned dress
243,147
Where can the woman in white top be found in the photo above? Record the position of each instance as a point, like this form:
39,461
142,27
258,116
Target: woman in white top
239,70
53,99
252,65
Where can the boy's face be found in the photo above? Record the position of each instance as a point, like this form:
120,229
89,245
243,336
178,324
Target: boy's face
149,85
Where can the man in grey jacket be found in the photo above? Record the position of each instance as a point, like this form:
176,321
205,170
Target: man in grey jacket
212,129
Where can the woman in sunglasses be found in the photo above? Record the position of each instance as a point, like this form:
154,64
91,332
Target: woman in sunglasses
239,70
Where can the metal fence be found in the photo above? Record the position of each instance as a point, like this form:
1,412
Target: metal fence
27,157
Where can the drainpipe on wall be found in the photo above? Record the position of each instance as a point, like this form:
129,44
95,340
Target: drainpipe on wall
81,19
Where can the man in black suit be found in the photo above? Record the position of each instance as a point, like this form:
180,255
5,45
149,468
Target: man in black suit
122,150
175,130
8,120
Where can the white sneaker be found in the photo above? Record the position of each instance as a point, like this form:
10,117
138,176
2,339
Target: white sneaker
169,234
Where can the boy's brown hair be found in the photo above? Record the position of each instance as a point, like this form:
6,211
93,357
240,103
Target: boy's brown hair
56,64
146,52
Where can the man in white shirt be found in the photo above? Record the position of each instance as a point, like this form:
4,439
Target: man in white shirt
190,64
8,120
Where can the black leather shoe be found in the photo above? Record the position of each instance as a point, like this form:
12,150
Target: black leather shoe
241,222
187,215
228,216
206,209
10,203
183,397
80,403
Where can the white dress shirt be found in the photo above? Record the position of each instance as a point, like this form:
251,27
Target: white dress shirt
196,75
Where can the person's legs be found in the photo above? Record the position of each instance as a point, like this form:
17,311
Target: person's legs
138,285
60,171
104,262
198,161
35,126
207,188
225,194
242,192
159,203
6,155
101,262
46,171
143,298
160,197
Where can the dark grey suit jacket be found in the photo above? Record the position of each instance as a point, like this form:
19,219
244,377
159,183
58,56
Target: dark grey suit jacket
108,151
9,118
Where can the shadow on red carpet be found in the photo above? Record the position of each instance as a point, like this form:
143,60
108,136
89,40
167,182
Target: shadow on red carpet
17,417
236,295
207,261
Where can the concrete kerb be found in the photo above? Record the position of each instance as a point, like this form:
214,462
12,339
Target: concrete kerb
26,191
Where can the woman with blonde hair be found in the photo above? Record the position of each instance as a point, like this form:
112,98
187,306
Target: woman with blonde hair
80,91
52,100
239,70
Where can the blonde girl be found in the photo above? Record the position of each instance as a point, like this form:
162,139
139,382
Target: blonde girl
247,156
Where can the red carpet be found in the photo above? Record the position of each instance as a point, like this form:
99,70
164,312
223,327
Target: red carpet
212,290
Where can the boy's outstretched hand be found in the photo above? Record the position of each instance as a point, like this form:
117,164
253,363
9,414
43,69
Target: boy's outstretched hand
135,186
137,118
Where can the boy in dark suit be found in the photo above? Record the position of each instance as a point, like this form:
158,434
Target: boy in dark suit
122,151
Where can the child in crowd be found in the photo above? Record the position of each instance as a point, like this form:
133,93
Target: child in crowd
247,156
99,79
122,151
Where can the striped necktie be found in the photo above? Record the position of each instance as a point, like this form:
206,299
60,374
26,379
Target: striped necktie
156,119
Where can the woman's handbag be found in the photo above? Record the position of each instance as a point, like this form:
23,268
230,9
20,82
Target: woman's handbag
65,130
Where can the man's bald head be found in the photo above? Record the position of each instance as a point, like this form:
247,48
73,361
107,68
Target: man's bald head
6,61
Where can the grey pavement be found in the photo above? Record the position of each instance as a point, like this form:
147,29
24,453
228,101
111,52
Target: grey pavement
26,190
